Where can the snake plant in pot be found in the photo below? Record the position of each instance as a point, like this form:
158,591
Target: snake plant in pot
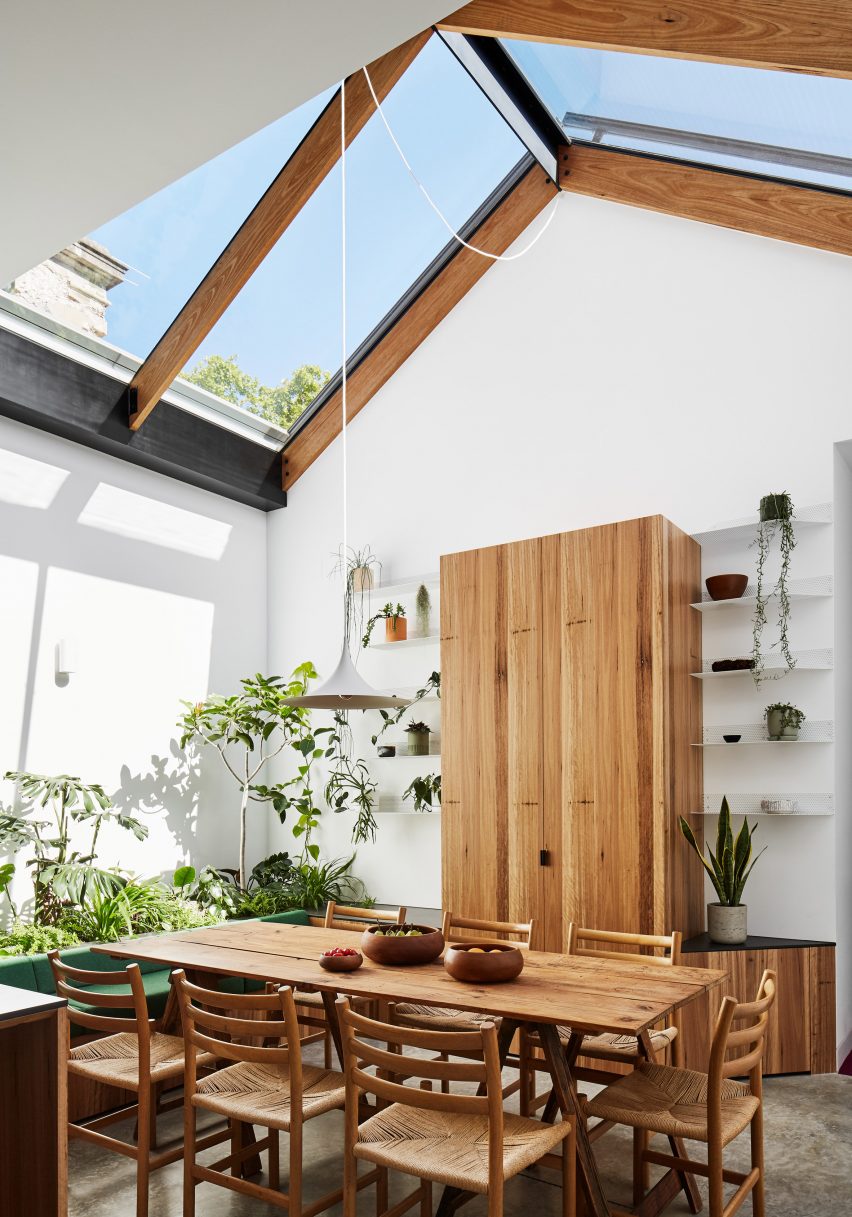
728,868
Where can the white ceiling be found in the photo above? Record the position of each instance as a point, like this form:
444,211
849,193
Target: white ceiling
105,103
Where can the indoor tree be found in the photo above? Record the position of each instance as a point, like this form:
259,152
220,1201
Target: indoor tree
248,730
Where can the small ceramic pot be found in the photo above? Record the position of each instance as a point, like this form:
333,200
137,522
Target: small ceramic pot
362,579
386,749
418,743
727,923
726,587
396,629
789,733
775,507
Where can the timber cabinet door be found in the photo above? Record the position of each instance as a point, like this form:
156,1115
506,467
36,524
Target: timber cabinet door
568,713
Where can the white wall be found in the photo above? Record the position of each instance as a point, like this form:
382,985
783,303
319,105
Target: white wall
843,724
161,589
632,363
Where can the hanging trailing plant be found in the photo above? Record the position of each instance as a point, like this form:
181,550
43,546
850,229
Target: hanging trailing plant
776,519
349,784
361,570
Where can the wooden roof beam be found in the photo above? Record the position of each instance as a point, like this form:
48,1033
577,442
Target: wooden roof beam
813,36
311,162
803,215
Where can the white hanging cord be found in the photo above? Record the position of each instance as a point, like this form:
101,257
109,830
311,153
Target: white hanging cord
343,317
483,252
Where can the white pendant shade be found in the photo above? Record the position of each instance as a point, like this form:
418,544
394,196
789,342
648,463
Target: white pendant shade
345,689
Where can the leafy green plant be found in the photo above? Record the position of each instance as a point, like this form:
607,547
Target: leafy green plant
391,719
423,790
248,730
349,784
423,608
276,868
776,519
216,891
142,906
388,613
791,716
7,874
418,728
61,873
315,883
28,939
731,865
265,901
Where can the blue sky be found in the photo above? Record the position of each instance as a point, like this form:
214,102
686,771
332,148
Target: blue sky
289,312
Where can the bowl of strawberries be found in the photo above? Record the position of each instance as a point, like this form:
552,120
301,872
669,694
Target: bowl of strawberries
341,959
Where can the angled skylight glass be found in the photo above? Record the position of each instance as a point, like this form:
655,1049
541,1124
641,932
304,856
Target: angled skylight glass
776,124
288,314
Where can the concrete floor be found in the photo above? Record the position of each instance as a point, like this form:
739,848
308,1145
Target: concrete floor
808,1161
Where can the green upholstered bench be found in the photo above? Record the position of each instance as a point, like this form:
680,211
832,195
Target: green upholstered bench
33,972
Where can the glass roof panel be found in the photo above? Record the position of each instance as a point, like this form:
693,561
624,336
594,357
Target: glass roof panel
288,314
779,124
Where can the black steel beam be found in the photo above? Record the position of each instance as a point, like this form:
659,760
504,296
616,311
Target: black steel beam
44,389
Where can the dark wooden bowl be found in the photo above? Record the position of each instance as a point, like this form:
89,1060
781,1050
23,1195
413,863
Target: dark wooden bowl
422,948
490,964
726,587
341,963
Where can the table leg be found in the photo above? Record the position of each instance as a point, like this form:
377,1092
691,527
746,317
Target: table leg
328,1000
566,1095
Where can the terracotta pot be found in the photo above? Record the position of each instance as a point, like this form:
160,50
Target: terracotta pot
341,963
396,629
490,963
726,587
727,922
399,952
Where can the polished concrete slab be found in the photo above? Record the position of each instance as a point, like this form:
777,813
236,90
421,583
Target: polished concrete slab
808,1161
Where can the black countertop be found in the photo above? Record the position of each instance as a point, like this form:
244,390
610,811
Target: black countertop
753,943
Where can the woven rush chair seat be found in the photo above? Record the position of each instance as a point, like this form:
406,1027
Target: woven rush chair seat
114,1060
673,1102
620,1045
260,1094
439,1018
451,1148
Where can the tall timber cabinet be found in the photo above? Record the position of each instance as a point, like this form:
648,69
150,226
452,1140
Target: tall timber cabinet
567,717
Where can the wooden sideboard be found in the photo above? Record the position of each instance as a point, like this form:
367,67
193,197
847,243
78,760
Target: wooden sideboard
567,718
801,1035
33,1137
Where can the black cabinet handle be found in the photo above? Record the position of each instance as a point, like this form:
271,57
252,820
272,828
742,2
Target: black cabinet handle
544,857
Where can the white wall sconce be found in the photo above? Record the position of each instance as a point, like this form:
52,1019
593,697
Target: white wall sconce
65,658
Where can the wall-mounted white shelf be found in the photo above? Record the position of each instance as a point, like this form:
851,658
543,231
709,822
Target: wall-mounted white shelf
773,665
752,804
811,732
803,518
409,756
418,640
800,589
421,815
406,587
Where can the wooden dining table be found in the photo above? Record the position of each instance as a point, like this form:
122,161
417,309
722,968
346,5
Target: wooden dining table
588,995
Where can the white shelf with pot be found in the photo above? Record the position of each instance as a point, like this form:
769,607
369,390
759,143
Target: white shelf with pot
815,588
807,517
406,587
762,805
754,734
820,660
417,640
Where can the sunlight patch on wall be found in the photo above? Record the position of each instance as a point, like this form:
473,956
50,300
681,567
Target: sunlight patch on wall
27,482
143,519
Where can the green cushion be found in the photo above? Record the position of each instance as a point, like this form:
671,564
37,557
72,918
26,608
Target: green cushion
88,961
17,971
292,917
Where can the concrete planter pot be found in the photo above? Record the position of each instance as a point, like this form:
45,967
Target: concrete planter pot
727,923
418,743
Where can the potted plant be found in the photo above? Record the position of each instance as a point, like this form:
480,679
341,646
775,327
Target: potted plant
423,791
418,739
396,624
362,567
776,517
783,721
424,609
728,868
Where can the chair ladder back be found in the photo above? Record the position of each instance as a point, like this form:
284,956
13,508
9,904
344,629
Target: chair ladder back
67,981
527,931
648,946
356,1032
751,1037
351,916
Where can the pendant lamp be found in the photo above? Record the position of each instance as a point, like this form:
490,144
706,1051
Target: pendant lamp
345,689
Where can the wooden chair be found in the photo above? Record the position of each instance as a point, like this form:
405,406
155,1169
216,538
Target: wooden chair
338,917
267,1084
462,1140
131,1054
653,949
711,1107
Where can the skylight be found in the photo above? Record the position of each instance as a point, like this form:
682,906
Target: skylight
779,124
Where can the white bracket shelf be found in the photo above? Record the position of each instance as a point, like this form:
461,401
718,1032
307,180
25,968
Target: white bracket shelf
803,518
773,665
812,731
800,589
759,804
418,640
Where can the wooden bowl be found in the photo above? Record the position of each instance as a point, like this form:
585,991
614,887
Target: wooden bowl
398,951
341,963
726,587
484,963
